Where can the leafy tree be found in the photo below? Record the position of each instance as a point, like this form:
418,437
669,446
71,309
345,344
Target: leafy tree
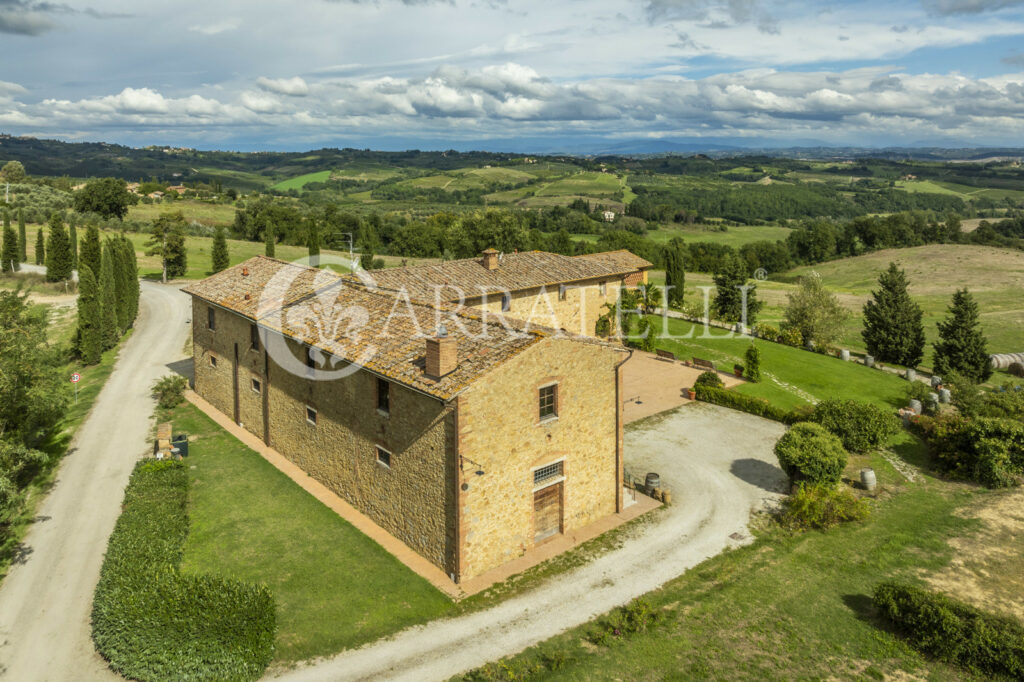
40,247
108,297
313,242
9,251
961,344
219,253
893,331
675,271
730,279
22,237
13,172
58,252
650,298
89,332
753,359
815,312
167,240
109,197
89,253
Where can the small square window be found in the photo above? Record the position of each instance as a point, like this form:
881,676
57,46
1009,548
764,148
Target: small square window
603,287
256,387
383,395
506,302
310,415
561,292
549,402
383,457
254,337
213,361
211,319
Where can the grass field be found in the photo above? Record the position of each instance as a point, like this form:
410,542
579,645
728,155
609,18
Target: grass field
333,586
300,181
588,184
734,236
194,211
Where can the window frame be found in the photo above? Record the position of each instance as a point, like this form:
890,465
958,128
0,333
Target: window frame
603,288
211,318
506,302
316,416
553,473
562,292
383,461
543,404
383,396
213,361
254,337
256,385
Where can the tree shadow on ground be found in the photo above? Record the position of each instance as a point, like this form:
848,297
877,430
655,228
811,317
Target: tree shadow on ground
762,474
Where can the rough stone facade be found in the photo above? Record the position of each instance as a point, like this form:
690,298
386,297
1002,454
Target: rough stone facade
576,311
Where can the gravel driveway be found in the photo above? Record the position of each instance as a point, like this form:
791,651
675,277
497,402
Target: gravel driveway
719,465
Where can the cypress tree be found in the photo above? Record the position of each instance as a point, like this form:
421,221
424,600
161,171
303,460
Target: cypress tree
120,284
219,253
731,276
893,331
22,237
73,239
9,250
108,298
89,254
133,279
313,242
58,252
675,271
40,247
88,336
961,345
268,240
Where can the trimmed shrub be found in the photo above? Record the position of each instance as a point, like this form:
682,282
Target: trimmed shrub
753,357
860,426
952,631
709,378
170,390
152,622
743,403
821,506
807,452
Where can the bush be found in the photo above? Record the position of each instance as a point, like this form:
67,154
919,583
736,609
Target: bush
987,450
807,452
766,331
170,391
153,623
1016,369
634,618
743,403
791,337
860,426
821,506
709,378
753,357
952,631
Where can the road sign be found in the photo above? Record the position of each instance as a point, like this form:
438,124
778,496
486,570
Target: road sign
76,377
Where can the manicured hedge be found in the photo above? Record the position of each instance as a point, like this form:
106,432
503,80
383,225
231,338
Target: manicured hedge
807,452
952,631
152,622
861,426
744,403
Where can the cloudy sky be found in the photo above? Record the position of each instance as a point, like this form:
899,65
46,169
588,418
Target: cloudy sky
515,74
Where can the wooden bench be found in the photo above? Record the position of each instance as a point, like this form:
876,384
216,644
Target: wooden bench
704,364
665,355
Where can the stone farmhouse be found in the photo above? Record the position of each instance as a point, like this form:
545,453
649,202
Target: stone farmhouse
470,440
540,288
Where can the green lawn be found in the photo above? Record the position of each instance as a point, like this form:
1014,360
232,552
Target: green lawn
198,211
734,236
334,587
583,184
300,181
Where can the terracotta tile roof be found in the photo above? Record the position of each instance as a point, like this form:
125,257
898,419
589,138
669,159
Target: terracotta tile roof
515,272
392,340
622,259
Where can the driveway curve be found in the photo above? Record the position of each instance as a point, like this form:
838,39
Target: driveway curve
46,598
720,467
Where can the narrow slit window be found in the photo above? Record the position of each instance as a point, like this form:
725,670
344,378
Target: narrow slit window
603,287
310,415
384,395
213,361
506,302
310,359
549,402
383,457
254,337
561,292
256,386
546,473
211,319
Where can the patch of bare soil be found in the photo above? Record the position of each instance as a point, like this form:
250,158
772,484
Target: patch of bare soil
986,570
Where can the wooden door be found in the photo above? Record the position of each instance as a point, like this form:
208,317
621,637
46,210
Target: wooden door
547,512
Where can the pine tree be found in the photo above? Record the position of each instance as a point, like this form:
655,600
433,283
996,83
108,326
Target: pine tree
108,298
219,253
88,336
89,253
22,237
73,239
961,344
58,252
268,240
729,280
40,247
675,271
893,331
9,251
313,242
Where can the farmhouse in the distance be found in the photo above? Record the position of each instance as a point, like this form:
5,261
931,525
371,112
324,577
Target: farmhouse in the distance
470,440
537,287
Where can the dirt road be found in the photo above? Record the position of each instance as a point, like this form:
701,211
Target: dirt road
719,465
46,598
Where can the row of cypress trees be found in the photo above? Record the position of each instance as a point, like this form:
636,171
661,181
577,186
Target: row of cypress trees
108,294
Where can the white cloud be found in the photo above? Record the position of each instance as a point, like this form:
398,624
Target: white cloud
216,27
295,87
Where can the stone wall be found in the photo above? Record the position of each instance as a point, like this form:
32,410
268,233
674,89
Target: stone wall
501,432
577,314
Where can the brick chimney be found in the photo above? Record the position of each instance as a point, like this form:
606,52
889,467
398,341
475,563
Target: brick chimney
442,354
490,259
